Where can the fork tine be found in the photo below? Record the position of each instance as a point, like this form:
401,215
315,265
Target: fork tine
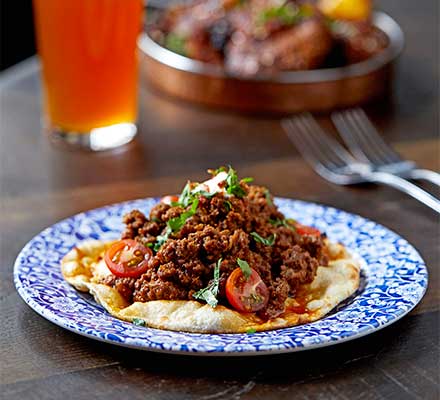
325,143
361,137
312,153
375,148
296,135
351,140
308,152
373,135
355,139
326,158
304,129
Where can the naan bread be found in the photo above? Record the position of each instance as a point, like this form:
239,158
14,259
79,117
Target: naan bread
84,267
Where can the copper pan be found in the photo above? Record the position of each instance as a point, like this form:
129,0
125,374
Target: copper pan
285,92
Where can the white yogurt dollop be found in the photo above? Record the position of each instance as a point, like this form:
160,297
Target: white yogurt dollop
212,185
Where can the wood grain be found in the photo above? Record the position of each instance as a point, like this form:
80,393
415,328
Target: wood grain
367,365
40,185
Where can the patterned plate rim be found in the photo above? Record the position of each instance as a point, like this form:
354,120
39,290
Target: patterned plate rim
325,332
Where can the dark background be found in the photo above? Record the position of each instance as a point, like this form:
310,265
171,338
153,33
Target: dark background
17,32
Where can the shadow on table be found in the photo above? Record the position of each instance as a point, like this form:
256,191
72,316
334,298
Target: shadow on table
301,366
405,350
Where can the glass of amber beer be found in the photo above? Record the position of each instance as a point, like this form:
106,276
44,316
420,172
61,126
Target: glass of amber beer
89,66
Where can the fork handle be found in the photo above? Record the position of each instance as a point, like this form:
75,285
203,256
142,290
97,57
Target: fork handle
406,187
425,174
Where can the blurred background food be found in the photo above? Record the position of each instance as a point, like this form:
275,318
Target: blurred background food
265,36
274,56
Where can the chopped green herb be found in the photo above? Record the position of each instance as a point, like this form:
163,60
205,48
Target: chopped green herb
161,239
188,196
244,266
247,180
138,322
286,14
276,221
228,205
150,244
194,206
206,194
210,292
176,43
218,170
283,222
185,197
267,242
177,223
268,198
251,331
233,184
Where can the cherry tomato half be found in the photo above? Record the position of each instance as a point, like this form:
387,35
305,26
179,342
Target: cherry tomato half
246,295
127,258
307,230
169,199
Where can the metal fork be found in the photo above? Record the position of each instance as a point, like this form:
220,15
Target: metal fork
366,144
330,160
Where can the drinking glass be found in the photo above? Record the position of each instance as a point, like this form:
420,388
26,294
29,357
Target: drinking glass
89,68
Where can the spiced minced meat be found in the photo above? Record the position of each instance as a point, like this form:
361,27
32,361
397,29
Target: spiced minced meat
223,227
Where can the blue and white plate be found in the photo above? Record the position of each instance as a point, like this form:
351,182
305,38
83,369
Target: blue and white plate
394,279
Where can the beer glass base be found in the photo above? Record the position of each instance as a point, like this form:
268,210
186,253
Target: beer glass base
97,139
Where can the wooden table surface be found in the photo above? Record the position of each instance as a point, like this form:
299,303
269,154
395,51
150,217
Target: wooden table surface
41,185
